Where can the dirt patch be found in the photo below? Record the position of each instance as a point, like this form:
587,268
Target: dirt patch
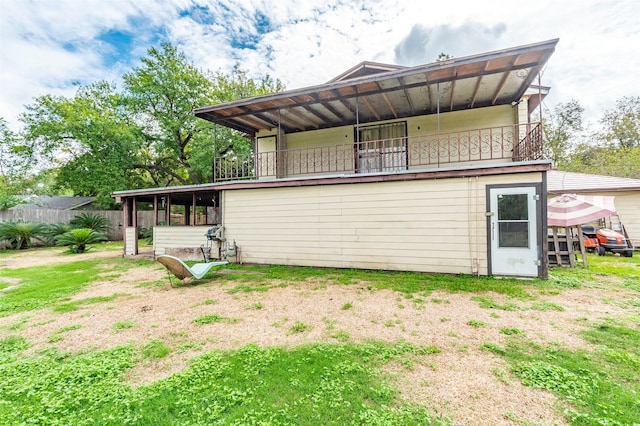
471,385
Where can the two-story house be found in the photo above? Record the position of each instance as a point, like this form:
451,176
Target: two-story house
432,168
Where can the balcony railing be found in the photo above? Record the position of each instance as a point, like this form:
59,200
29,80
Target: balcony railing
497,144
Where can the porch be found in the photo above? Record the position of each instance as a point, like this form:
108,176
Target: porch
493,145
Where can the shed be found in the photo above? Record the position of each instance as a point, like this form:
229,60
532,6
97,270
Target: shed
625,190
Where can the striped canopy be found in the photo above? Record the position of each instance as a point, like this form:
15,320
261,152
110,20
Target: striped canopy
572,209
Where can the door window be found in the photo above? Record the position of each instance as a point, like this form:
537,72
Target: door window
513,220
382,148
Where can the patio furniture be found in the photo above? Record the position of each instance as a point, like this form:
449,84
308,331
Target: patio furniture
181,270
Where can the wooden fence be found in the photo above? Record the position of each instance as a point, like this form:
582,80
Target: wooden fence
145,218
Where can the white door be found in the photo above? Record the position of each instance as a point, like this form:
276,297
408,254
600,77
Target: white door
513,231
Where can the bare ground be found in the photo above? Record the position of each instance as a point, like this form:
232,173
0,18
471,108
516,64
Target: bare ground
463,382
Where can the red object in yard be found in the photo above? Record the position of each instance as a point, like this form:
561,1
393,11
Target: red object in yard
602,240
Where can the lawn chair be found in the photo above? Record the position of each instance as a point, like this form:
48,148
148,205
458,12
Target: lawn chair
182,270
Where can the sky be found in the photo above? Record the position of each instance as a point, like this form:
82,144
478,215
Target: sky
52,46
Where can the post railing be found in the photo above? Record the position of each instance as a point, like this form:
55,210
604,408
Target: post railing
500,144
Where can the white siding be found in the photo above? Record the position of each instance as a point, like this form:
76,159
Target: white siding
178,237
628,209
130,241
426,225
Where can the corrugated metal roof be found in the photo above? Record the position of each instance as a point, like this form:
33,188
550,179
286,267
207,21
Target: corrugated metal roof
368,93
559,181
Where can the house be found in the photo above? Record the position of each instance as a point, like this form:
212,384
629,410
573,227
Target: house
626,192
433,168
45,202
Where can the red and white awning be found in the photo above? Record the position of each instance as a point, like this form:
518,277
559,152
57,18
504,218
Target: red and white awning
572,209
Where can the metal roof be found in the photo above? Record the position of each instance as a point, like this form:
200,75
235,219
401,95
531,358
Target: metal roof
369,93
559,181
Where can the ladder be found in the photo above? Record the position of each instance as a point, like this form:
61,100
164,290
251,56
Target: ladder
613,222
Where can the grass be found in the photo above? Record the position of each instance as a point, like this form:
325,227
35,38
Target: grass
76,304
211,318
317,384
489,303
156,349
320,384
298,327
476,323
123,325
48,285
598,386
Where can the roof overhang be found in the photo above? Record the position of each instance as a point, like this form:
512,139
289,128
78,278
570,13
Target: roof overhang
488,79
184,194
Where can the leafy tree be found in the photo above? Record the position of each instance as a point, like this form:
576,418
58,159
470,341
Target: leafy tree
605,160
12,168
162,95
622,124
102,140
90,139
562,128
79,239
20,234
614,150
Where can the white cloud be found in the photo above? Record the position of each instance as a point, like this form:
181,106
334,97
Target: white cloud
46,45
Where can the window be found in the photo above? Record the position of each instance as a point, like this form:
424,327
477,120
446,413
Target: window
513,220
382,148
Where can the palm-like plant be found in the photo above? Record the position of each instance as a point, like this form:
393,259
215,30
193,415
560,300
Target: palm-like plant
91,221
79,239
20,234
56,229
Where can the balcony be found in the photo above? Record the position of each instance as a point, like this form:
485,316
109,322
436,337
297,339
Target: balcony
461,148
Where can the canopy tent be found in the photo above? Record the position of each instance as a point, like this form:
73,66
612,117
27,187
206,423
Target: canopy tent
571,209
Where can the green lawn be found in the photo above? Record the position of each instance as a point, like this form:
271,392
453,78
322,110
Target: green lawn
314,384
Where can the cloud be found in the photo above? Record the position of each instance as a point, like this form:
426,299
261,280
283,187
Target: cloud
423,44
48,46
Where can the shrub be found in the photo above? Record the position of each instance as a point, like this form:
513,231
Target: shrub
19,234
91,221
56,229
79,239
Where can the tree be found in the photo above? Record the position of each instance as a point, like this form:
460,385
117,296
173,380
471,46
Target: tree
562,129
102,140
443,57
162,95
90,139
622,124
614,150
12,169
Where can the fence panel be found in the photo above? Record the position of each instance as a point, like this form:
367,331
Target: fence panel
48,216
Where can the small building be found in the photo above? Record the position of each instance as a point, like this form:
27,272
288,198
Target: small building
626,192
45,202
433,168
